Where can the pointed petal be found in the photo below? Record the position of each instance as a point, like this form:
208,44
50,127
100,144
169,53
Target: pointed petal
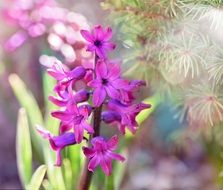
98,32
120,83
106,165
109,46
79,133
112,92
100,52
101,69
108,34
62,115
114,72
91,47
89,152
88,127
57,101
87,35
116,156
96,83
93,163
99,95
113,142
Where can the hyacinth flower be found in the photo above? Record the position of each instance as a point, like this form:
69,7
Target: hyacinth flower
112,102
102,153
127,114
99,40
57,143
76,118
107,81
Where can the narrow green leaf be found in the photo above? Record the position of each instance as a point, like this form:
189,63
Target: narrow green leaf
27,100
37,178
48,85
119,170
109,183
23,148
143,115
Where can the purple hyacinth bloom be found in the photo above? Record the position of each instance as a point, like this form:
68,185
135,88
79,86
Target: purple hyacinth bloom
76,118
107,81
58,71
57,143
128,114
102,154
99,40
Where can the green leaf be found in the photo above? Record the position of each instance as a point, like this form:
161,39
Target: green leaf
119,170
23,148
27,100
109,182
50,123
143,115
37,178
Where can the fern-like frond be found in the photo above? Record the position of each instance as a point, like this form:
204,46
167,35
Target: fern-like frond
215,66
205,103
183,54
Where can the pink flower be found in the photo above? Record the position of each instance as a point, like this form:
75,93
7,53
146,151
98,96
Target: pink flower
107,81
102,154
76,118
128,114
57,143
99,40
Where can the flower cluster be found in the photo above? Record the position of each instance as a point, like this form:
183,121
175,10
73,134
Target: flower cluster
106,96
45,18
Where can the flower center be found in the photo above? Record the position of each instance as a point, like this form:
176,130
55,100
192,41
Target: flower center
104,81
97,43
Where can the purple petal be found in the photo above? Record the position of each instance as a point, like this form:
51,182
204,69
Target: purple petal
106,165
96,83
87,35
108,34
79,133
120,83
91,47
114,72
116,156
64,128
100,52
93,163
98,32
110,116
113,142
88,127
62,115
109,46
112,92
45,134
99,95
64,140
101,69
57,101
89,152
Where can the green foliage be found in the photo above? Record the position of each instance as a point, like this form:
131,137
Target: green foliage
173,46
23,148
37,178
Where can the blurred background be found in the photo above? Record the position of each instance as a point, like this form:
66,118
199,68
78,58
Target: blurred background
175,46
